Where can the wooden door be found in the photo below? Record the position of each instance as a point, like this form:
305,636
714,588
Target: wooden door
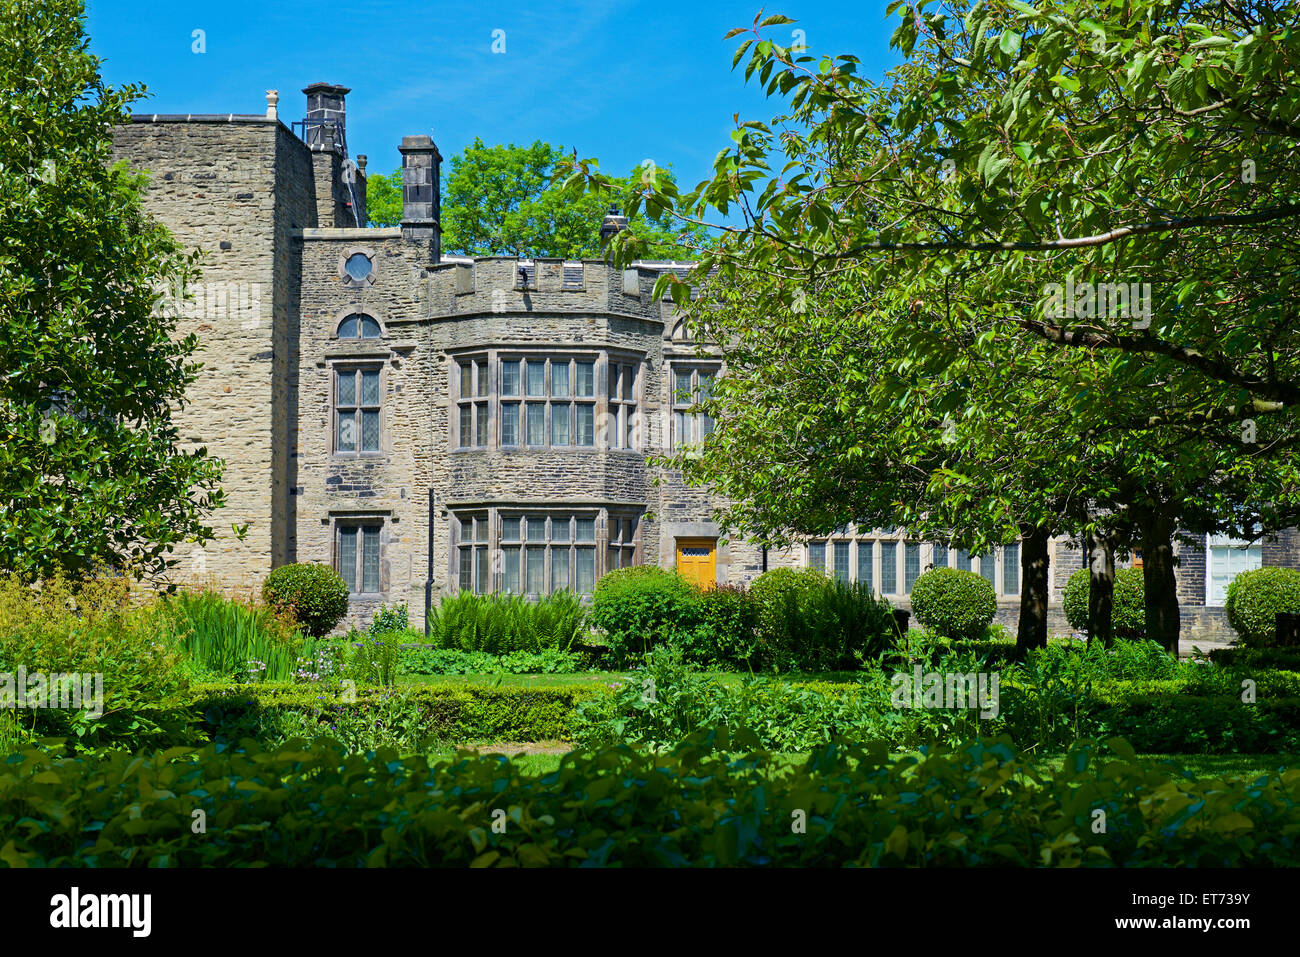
697,560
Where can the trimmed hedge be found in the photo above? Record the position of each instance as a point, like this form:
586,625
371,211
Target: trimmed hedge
1128,615
1287,659
1174,723
457,714
316,595
1254,600
954,603
316,805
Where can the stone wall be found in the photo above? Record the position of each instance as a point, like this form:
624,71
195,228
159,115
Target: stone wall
223,185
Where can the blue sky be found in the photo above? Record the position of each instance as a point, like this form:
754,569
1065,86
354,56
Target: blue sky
623,82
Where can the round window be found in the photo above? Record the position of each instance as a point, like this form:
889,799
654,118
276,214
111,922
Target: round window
358,267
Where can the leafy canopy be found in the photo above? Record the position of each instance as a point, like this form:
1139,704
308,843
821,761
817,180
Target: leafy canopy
501,201
91,468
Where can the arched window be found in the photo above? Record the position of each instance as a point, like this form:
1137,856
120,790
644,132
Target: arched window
359,326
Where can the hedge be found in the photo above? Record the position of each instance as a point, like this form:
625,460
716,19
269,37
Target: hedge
457,714
1187,724
1286,658
316,805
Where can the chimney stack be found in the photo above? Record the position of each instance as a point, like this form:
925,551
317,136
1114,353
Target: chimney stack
612,225
421,192
325,124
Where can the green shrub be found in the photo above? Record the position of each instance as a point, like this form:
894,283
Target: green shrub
500,624
92,630
808,622
316,595
697,806
371,657
954,603
388,620
640,607
730,632
792,617
1128,614
1254,600
1128,660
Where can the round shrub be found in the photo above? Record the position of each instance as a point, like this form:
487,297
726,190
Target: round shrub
1128,616
640,607
954,603
1254,600
315,595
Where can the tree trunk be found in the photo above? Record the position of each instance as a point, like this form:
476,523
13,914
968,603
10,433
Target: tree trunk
1101,589
1034,562
1159,587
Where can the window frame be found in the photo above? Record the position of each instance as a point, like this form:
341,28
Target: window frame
359,526
684,420
361,315
488,528
1213,542
357,407
477,403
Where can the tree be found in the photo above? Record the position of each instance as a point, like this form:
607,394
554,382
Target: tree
502,201
384,199
90,471
1022,149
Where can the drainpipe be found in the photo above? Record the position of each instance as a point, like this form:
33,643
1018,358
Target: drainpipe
428,581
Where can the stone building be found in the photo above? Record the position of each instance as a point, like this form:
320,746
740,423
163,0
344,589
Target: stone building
428,423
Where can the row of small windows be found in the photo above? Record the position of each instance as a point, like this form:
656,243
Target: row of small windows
554,401
540,553
891,566
564,412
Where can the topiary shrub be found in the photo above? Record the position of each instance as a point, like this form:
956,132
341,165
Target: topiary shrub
954,603
1254,600
1128,616
643,606
316,595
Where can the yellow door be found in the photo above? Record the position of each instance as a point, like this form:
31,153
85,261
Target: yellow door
697,560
